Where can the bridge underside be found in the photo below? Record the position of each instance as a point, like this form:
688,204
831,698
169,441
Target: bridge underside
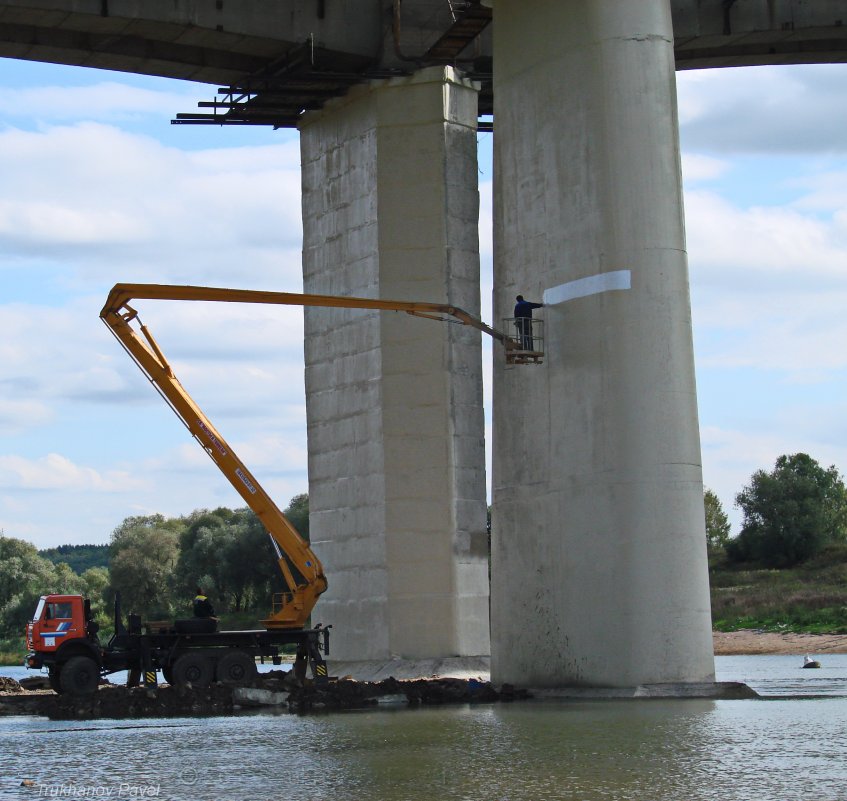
271,64
598,563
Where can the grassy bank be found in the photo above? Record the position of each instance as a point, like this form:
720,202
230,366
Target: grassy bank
12,651
808,598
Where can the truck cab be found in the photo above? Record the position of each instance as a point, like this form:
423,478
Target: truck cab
57,620
62,630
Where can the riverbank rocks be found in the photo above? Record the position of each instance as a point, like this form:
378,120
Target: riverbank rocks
121,702
350,694
38,682
8,685
274,690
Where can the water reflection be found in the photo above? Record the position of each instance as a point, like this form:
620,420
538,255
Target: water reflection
657,750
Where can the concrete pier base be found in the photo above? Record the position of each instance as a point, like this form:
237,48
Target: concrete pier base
599,572
480,668
394,403
707,690
457,667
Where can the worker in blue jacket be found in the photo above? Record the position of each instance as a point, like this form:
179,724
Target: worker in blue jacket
523,321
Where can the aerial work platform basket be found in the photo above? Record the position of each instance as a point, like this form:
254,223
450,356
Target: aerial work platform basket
527,345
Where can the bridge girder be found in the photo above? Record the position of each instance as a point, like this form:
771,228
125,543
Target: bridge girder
272,61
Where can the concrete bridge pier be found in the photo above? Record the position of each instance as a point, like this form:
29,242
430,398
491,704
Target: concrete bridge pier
599,572
394,403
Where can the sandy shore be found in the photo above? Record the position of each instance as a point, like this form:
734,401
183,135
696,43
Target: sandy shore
754,642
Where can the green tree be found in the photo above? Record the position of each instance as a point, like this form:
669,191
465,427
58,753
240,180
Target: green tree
209,557
206,555
79,557
717,523
256,564
95,583
297,513
144,554
790,512
265,577
24,577
21,568
254,574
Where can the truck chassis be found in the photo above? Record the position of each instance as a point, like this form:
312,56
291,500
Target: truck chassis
183,652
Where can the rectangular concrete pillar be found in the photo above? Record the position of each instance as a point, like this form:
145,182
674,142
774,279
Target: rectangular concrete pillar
394,402
599,573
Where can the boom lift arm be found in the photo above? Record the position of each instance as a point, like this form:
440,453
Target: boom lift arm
122,294
301,569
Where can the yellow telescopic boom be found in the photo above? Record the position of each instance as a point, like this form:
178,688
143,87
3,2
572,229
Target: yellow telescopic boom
301,569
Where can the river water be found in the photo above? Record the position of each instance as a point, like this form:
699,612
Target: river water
791,745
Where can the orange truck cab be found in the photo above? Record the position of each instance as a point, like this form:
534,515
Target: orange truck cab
58,619
61,629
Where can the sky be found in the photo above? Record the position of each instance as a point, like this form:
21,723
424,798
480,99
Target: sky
97,187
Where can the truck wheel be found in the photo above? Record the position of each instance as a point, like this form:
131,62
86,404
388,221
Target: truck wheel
53,673
193,669
236,667
80,676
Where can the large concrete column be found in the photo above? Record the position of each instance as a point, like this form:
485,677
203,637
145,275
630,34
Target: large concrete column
599,573
394,403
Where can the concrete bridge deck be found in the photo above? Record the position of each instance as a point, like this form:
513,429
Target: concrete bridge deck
275,60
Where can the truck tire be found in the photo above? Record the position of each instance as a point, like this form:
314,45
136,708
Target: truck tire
53,674
80,675
236,667
193,669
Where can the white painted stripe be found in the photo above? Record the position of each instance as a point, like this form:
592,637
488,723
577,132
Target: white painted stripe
592,285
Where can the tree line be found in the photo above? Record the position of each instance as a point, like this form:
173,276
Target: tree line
790,514
156,563
78,557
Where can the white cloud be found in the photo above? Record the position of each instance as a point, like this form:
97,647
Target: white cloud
698,168
762,239
104,203
801,335
56,355
20,415
777,109
57,472
110,100
825,192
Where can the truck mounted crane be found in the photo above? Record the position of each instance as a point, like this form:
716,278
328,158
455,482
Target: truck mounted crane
62,636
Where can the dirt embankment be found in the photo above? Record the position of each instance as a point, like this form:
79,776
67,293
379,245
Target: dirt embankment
748,641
